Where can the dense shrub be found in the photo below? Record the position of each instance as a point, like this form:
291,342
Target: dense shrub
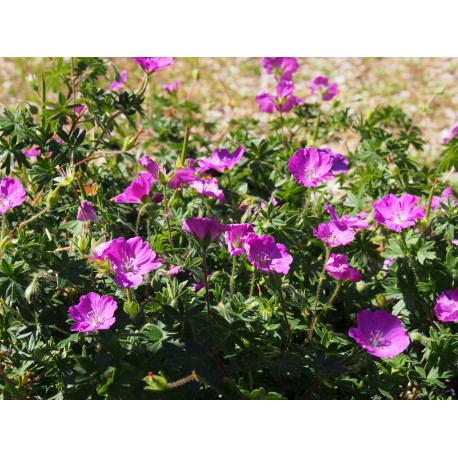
340,285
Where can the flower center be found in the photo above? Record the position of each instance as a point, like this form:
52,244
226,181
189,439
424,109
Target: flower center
310,173
128,265
376,339
95,318
263,260
399,217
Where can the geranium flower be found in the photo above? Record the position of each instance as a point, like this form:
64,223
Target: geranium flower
397,214
321,85
99,252
447,194
137,190
204,230
284,101
12,194
153,64
380,333
332,234
340,269
282,67
451,133
266,255
32,152
447,305
310,167
235,237
130,260
340,163
221,160
93,312
208,188
115,85
174,179
172,87
86,212
348,221
387,264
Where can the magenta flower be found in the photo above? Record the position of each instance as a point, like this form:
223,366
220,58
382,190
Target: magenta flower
397,214
266,255
115,85
455,242
447,305
93,312
320,85
137,190
340,163
387,264
208,188
181,176
447,194
174,179
204,230
284,102
130,260
221,160
451,133
282,67
380,333
99,252
86,212
151,166
340,269
235,237
332,235
32,152
310,167
348,221
12,194
153,64
172,87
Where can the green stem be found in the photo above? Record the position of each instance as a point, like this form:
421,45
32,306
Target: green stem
285,316
281,127
404,242
207,292
334,295
21,225
4,225
234,270
138,217
315,132
166,211
185,148
253,278
317,298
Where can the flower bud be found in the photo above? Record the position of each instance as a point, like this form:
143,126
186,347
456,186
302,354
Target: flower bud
131,308
380,299
361,286
52,197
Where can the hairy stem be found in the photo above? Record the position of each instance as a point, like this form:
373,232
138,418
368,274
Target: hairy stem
138,217
315,132
234,270
318,289
207,292
167,219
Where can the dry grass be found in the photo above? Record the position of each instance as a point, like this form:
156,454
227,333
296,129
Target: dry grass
227,86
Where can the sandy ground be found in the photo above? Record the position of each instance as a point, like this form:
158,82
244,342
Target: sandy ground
227,86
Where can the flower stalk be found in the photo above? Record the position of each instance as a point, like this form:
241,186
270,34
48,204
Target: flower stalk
318,290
